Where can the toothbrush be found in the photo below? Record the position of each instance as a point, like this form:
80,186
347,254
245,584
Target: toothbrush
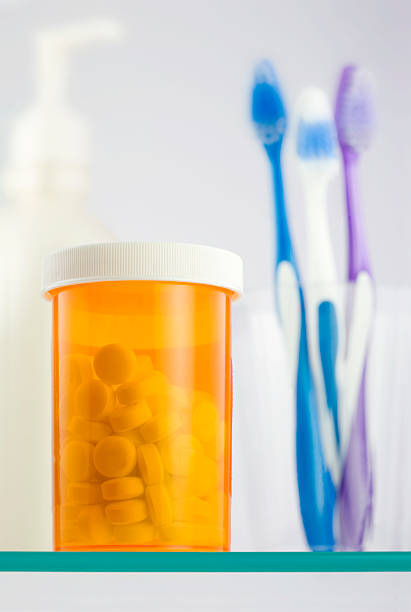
354,117
316,490
317,148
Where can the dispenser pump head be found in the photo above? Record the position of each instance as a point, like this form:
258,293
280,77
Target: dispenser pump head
54,47
50,131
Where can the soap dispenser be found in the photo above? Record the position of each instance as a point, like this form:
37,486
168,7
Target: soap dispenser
45,184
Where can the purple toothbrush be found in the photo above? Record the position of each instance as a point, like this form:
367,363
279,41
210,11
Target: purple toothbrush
354,117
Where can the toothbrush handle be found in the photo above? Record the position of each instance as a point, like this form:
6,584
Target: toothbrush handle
356,491
358,258
285,251
328,344
316,490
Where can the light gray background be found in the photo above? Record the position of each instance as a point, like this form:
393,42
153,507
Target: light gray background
205,592
175,156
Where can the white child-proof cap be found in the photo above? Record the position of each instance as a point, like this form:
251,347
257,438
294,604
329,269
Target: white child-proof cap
148,261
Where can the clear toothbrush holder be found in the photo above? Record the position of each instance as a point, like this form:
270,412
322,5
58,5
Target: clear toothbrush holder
373,497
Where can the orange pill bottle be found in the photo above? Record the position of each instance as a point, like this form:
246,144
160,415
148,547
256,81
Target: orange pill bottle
142,395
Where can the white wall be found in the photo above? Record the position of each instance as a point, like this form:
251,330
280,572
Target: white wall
206,592
175,156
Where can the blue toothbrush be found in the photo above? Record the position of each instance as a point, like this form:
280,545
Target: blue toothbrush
317,154
316,489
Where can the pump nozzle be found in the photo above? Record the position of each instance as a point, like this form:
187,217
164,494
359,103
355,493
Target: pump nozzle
50,131
54,47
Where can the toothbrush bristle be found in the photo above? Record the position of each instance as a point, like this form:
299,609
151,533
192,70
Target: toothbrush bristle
267,106
316,140
316,137
355,112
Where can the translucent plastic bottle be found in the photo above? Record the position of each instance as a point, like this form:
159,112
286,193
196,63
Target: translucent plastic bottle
46,183
142,395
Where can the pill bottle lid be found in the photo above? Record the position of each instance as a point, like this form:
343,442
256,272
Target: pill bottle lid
144,261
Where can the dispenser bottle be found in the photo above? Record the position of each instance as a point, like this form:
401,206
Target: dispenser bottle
46,185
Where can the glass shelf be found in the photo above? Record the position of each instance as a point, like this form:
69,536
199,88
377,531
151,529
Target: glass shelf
204,562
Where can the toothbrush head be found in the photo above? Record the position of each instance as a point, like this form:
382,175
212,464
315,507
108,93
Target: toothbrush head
267,106
316,139
354,109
